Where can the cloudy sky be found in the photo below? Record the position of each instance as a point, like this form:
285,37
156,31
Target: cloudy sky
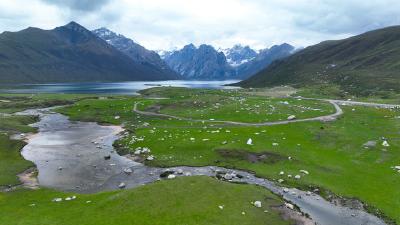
165,24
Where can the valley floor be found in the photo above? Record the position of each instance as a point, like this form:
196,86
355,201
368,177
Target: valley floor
352,157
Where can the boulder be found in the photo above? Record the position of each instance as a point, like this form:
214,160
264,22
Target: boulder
166,173
122,185
304,171
370,144
385,143
249,141
257,204
171,176
228,176
128,171
291,117
289,206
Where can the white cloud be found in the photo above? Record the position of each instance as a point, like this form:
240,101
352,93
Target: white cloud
160,24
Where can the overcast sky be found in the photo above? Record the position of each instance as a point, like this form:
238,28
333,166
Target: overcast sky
165,24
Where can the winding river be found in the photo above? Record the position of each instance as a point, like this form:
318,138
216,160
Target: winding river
79,157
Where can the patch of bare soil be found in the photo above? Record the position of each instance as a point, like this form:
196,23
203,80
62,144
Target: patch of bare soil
297,217
28,178
153,108
253,157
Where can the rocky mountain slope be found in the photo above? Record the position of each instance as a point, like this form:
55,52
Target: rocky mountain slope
69,53
202,63
136,52
238,62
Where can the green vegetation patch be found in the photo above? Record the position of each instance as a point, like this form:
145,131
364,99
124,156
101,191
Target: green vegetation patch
186,200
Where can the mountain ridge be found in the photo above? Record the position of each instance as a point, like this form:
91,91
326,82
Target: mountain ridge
362,64
68,53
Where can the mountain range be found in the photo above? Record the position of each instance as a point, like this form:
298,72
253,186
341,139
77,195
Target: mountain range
238,62
362,64
69,53
136,52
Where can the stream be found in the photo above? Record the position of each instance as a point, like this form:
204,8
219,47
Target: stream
79,157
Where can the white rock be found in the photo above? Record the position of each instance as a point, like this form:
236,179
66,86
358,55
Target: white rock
188,174
150,158
275,144
57,199
288,205
291,117
250,141
228,176
128,170
171,176
221,206
122,185
385,144
179,171
257,204
286,190
304,171
117,117
281,180
281,173
297,177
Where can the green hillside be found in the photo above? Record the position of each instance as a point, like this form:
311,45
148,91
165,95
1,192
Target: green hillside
363,64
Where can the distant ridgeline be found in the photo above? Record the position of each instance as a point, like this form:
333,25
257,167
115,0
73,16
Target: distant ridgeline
365,64
69,53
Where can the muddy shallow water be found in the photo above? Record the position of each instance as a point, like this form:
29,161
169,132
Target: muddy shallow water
70,156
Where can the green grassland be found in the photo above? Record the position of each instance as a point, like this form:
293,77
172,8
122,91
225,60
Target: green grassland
165,202
332,152
187,200
232,106
11,161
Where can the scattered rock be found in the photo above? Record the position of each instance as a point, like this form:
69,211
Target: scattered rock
289,206
128,171
385,143
370,144
122,185
304,171
166,173
297,177
249,141
228,176
291,117
257,204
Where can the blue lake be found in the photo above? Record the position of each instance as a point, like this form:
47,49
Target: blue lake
126,88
